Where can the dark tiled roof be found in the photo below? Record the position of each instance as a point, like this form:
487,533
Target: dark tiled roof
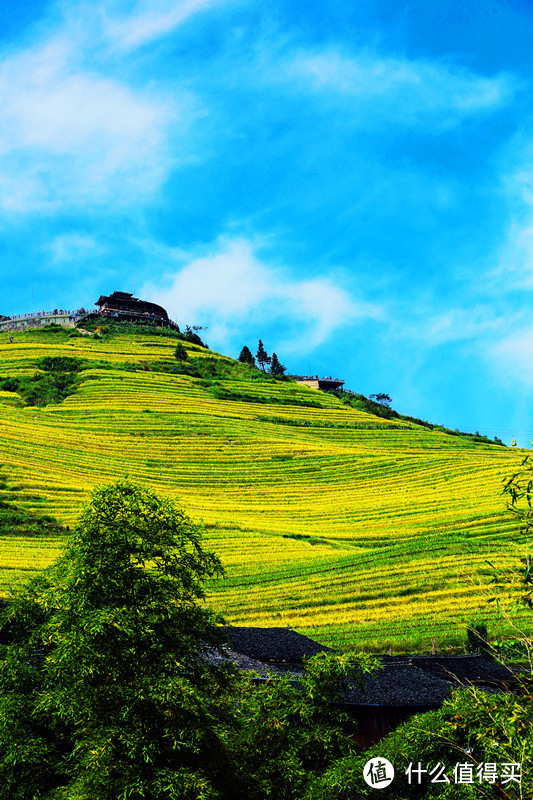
400,685
247,664
274,645
406,680
468,669
427,680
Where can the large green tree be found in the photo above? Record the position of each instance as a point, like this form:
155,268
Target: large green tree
106,677
180,352
108,685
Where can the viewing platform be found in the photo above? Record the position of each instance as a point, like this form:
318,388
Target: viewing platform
119,306
37,319
319,383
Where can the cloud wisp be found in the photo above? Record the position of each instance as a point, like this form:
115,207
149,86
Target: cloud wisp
406,91
231,288
150,20
76,133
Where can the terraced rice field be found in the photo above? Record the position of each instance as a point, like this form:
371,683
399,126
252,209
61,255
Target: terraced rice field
353,529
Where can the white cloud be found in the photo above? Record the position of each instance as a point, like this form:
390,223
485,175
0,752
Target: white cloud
436,327
231,286
75,130
70,135
152,19
514,263
408,91
51,107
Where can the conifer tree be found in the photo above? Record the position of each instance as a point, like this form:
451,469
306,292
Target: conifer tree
262,356
276,368
246,356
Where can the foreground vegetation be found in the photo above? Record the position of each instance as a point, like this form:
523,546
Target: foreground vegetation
108,691
350,527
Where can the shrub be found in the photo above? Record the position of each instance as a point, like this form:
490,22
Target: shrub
60,364
180,352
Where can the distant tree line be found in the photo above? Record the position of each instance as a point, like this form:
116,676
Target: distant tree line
263,359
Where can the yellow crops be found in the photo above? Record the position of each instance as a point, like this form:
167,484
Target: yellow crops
343,525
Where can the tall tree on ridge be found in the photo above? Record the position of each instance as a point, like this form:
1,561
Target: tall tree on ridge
276,368
262,356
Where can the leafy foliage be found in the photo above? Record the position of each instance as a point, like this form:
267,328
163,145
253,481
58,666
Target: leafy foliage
19,522
477,639
191,335
289,732
112,688
60,364
381,398
112,328
54,381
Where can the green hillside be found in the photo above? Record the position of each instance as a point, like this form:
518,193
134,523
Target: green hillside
352,528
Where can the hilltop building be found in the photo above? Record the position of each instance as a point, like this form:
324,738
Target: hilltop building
122,306
319,383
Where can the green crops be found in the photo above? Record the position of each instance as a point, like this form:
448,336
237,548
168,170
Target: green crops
354,529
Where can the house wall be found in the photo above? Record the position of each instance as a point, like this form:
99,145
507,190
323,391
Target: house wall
375,722
24,321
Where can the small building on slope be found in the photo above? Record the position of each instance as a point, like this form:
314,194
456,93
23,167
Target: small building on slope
404,686
324,384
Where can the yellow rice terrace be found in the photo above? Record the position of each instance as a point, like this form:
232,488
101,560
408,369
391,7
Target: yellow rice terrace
351,528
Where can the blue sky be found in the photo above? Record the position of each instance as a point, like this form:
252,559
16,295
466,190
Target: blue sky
350,182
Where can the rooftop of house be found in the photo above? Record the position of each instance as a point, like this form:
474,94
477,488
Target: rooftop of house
404,680
427,680
280,647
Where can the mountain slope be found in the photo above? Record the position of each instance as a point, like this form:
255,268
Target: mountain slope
336,522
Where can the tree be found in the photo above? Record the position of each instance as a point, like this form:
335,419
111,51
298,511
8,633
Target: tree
262,356
276,368
291,732
180,352
106,677
107,685
381,398
191,334
246,357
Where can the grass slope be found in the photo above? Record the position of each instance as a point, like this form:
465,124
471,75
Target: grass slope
349,527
